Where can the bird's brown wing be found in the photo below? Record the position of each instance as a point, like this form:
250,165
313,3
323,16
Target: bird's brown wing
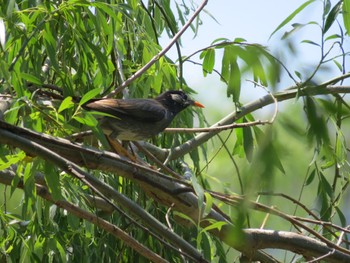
140,109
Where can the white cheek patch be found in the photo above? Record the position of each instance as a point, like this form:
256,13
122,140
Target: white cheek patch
177,98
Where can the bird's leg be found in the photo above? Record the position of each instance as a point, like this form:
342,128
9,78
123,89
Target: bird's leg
119,149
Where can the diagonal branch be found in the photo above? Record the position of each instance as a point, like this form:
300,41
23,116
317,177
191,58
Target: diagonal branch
166,190
34,148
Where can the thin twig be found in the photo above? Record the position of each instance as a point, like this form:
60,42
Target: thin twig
218,128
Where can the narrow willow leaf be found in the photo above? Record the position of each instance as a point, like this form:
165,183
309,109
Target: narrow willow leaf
340,67
209,61
221,39
217,225
208,204
238,147
105,8
310,42
206,246
327,7
11,160
310,178
53,181
66,104
239,40
89,95
332,16
298,75
291,16
100,57
277,161
234,83
248,143
341,149
346,15
325,185
341,216
31,78
198,189
50,43
225,66
88,119
334,36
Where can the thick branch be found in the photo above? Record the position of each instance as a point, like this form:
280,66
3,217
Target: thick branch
300,244
166,190
36,149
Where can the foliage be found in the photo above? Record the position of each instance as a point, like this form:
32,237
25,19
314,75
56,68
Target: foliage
79,202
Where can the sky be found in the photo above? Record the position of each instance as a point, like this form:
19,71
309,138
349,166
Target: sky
253,20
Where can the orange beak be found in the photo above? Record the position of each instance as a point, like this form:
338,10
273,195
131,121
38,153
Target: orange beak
198,104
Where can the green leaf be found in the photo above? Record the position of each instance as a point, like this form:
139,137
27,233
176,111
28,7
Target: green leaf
11,159
66,104
50,43
198,189
340,148
317,125
234,83
89,95
346,15
291,16
208,204
225,66
341,216
52,179
31,78
248,142
332,16
339,65
209,61
310,42
221,39
334,36
88,119
310,178
325,186
100,57
239,40
238,147
217,225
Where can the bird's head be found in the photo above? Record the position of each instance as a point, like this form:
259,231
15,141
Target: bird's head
177,100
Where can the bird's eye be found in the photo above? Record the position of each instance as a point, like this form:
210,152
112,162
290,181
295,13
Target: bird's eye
185,97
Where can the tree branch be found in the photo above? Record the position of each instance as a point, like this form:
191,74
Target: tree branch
300,244
33,148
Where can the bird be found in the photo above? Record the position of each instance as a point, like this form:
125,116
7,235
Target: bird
139,119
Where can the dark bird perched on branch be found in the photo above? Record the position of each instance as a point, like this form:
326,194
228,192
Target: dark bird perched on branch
139,119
